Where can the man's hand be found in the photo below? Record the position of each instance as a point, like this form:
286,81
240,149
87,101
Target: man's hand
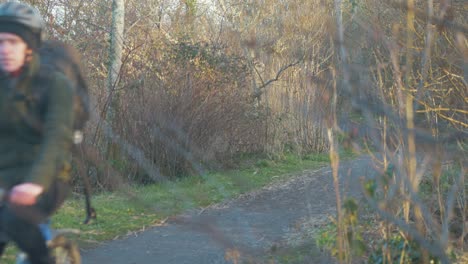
25,193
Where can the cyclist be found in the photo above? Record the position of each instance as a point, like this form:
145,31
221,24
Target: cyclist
36,131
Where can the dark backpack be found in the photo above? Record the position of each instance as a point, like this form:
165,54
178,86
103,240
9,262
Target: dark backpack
58,56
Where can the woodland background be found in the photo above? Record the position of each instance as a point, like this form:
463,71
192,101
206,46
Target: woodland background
180,87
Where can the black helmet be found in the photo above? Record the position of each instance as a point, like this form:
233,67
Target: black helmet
23,20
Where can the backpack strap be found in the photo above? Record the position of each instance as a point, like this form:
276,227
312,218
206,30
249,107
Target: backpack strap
90,211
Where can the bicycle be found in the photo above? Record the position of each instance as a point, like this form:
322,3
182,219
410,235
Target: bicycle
64,250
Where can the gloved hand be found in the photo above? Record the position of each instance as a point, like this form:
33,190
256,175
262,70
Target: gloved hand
25,193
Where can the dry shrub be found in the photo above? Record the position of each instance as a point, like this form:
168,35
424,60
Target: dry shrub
403,79
197,115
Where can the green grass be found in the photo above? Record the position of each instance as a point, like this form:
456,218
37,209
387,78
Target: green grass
138,207
297,254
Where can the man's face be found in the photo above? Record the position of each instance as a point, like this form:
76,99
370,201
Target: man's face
13,51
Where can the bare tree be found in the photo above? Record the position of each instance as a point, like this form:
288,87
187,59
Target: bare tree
115,54
114,73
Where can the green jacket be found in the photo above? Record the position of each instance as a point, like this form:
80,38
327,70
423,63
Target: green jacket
36,120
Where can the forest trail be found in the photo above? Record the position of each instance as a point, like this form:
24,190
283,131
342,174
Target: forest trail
243,230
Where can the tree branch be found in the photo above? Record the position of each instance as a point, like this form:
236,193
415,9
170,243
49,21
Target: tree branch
444,22
259,91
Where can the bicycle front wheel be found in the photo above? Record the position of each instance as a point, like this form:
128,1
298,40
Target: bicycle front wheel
64,250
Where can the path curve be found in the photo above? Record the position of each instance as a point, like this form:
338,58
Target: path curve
249,226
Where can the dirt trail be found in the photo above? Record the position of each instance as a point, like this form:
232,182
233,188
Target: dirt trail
253,224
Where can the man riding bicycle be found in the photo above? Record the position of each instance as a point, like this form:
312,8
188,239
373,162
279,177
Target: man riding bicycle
36,119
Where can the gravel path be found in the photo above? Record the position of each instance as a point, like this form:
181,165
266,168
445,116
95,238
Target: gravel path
247,228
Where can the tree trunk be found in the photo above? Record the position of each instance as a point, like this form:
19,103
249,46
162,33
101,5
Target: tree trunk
115,55
115,64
